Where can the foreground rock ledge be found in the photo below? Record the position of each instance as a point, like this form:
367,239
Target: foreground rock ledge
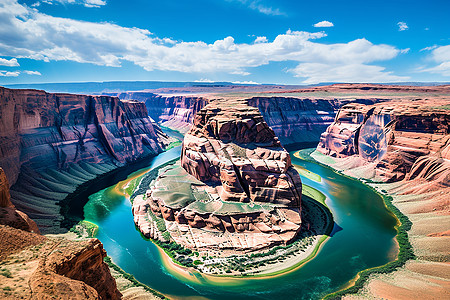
236,190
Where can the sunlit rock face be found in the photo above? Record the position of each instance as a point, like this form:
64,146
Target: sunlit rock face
392,135
230,144
233,190
51,143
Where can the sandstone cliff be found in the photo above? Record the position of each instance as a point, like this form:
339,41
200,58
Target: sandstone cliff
175,112
406,144
9,215
51,143
37,267
237,191
389,138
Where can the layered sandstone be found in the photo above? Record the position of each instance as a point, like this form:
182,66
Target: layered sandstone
407,144
51,143
44,268
237,189
387,137
175,112
9,215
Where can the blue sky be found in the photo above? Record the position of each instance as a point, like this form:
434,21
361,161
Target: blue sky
263,41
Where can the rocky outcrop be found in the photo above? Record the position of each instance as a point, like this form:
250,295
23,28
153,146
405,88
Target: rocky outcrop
9,215
405,145
236,190
44,268
231,144
175,112
51,143
389,137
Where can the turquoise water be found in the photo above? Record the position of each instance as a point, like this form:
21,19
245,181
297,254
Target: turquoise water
363,237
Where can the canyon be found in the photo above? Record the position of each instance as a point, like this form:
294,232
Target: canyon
234,188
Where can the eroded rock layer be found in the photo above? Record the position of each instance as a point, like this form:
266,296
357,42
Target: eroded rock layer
175,112
407,145
236,190
46,268
51,143
390,137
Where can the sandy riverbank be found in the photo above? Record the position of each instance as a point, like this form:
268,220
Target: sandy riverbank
427,206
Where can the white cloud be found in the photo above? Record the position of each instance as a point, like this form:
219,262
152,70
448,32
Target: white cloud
441,56
324,24
261,39
429,48
318,72
205,80
404,51
260,7
9,63
86,3
402,26
245,82
9,74
33,73
27,33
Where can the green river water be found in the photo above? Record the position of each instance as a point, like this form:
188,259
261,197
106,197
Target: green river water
363,237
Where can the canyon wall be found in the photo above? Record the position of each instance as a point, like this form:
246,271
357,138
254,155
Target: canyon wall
297,120
388,138
52,143
405,146
175,112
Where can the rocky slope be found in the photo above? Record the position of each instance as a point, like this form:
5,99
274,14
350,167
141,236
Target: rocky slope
238,190
37,267
405,144
51,143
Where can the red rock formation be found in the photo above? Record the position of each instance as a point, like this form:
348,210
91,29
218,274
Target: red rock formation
175,112
231,144
392,136
51,143
248,196
54,268
8,213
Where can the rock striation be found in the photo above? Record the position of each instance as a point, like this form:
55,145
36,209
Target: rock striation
52,143
297,120
44,268
175,112
235,188
405,145
390,137
9,215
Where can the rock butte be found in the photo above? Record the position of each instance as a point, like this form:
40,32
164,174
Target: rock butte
242,192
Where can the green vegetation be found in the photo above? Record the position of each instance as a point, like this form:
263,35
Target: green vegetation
405,253
405,249
85,229
173,145
131,278
148,178
6,273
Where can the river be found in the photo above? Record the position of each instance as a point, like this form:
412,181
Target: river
363,237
